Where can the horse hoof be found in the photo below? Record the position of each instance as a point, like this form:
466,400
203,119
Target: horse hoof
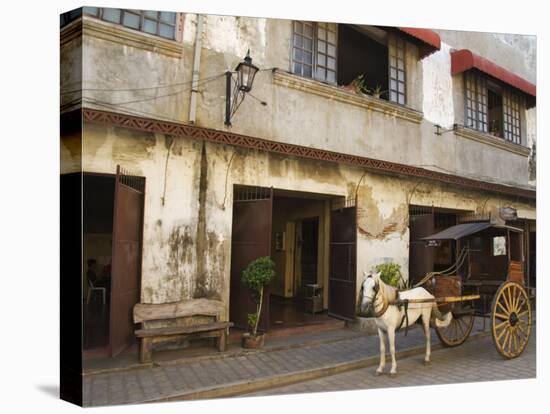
393,374
377,373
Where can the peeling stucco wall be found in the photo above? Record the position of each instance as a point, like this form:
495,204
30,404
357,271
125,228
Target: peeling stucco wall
188,204
383,216
169,234
515,52
438,106
199,177
299,116
531,128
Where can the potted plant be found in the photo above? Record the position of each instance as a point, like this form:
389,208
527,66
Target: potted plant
257,275
357,85
495,130
390,273
376,91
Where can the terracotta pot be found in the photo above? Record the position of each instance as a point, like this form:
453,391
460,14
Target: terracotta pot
253,342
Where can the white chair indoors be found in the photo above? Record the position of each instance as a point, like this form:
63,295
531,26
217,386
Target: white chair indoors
92,288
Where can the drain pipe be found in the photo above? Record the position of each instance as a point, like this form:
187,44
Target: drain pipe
196,69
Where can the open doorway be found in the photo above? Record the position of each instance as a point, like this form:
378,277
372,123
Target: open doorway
294,229
98,204
299,252
111,258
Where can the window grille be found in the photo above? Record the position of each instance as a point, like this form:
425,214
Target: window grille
157,23
476,102
512,125
314,50
396,50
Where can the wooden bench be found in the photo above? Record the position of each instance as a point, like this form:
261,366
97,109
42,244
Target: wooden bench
152,315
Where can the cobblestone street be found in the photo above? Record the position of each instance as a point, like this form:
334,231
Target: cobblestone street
473,361
330,361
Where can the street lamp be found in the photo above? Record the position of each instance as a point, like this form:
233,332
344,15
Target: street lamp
245,72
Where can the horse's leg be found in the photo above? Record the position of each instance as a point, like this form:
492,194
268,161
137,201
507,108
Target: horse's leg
380,369
391,337
427,332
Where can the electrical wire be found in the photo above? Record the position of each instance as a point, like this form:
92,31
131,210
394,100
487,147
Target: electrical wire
144,88
264,103
139,112
151,98
152,87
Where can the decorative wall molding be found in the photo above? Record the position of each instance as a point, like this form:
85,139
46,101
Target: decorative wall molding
99,29
491,140
341,95
229,138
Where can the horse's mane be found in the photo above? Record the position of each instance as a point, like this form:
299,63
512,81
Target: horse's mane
388,292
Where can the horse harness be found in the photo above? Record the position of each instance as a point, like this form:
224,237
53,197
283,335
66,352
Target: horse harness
400,303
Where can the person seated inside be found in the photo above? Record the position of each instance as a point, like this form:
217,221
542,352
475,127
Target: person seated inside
92,274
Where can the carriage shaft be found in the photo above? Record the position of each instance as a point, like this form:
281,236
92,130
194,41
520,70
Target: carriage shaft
444,299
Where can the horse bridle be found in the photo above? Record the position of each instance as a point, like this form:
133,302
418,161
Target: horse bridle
385,304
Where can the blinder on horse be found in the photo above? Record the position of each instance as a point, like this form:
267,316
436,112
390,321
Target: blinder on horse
400,303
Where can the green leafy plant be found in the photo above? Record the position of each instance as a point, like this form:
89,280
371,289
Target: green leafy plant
390,273
252,319
358,84
257,275
376,91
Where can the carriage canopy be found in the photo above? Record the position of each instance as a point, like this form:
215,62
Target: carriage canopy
466,229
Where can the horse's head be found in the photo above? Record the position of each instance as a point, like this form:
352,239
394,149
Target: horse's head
369,288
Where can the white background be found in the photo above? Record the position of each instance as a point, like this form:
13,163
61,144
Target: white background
29,223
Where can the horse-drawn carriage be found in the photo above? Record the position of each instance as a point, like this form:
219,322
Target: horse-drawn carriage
489,270
487,279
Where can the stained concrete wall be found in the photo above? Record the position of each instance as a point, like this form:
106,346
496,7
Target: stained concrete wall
300,116
188,204
383,217
183,258
70,71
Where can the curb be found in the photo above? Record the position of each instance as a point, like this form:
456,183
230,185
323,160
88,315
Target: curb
228,354
249,386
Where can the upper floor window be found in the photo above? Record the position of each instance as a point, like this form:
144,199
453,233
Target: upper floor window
340,54
157,23
314,50
492,107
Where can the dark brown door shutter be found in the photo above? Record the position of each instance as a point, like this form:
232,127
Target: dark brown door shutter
251,238
343,263
126,257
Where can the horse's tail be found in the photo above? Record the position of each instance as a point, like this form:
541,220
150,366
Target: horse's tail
441,321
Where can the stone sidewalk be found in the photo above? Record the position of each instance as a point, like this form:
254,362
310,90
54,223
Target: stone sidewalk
471,362
229,375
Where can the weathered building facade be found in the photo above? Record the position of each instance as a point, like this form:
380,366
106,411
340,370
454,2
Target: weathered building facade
344,173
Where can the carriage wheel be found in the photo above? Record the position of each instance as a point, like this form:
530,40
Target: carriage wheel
457,331
511,319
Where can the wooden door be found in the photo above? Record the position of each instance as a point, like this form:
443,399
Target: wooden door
421,257
251,238
126,258
343,263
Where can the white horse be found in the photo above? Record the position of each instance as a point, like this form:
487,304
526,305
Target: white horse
381,298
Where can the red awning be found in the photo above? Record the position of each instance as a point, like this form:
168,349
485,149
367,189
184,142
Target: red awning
427,40
462,60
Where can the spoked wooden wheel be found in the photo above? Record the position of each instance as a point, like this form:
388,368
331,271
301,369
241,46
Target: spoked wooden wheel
511,319
457,331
